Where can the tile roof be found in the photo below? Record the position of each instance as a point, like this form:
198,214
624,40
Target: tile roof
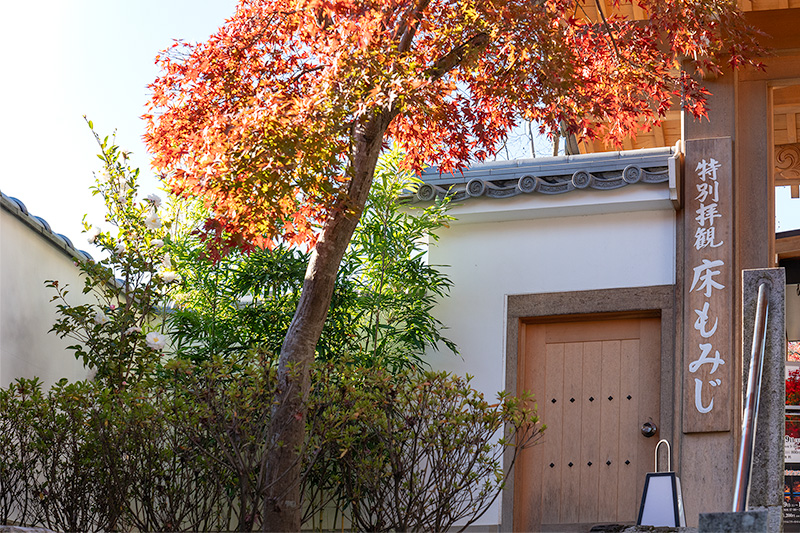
550,175
42,227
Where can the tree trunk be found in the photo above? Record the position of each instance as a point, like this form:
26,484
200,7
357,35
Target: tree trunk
282,508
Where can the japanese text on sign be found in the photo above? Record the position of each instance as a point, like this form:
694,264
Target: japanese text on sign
706,278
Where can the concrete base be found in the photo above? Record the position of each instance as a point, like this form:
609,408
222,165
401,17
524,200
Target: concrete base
746,522
774,516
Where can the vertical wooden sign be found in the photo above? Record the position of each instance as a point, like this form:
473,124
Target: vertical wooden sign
708,355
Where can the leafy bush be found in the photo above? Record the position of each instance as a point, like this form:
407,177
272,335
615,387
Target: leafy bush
74,491
381,310
395,287
119,334
418,451
85,458
225,408
171,486
63,467
21,407
407,451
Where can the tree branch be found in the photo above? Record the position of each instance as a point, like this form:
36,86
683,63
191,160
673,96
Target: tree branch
457,56
608,28
408,28
306,70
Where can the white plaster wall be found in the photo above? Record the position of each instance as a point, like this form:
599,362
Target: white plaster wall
573,242
27,259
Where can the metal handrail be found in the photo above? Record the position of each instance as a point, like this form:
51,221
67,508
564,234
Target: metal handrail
741,491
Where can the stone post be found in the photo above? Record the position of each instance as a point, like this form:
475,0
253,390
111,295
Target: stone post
766,483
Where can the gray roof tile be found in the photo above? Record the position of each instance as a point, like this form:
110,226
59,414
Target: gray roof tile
42,227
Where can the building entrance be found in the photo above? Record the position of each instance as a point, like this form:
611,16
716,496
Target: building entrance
597,385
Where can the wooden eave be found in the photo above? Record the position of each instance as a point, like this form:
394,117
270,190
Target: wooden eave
787,245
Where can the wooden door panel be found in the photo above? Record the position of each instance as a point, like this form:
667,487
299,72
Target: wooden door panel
530,463
604,330
629,440
595,383
650,399
551,477
590,445
609,430
571,444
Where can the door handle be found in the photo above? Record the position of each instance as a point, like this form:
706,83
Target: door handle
649,429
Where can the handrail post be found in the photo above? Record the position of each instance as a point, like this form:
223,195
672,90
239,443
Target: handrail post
742,487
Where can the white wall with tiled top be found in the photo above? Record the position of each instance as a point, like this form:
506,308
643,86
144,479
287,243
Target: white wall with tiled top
27,259
583,240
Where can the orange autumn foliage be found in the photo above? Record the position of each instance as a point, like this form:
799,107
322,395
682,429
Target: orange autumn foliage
259,120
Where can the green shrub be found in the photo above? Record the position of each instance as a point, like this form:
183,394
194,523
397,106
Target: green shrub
62,463
120,334
381,310
21,407
417,451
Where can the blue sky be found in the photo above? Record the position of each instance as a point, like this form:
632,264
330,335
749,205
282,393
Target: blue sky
65,59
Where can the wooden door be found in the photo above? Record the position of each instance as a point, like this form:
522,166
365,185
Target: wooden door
595,383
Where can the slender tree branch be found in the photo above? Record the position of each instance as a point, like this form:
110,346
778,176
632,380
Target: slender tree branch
458,55
306,70
530,136
608,29
408,28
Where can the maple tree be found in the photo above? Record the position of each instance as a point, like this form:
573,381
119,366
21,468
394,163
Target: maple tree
277,121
